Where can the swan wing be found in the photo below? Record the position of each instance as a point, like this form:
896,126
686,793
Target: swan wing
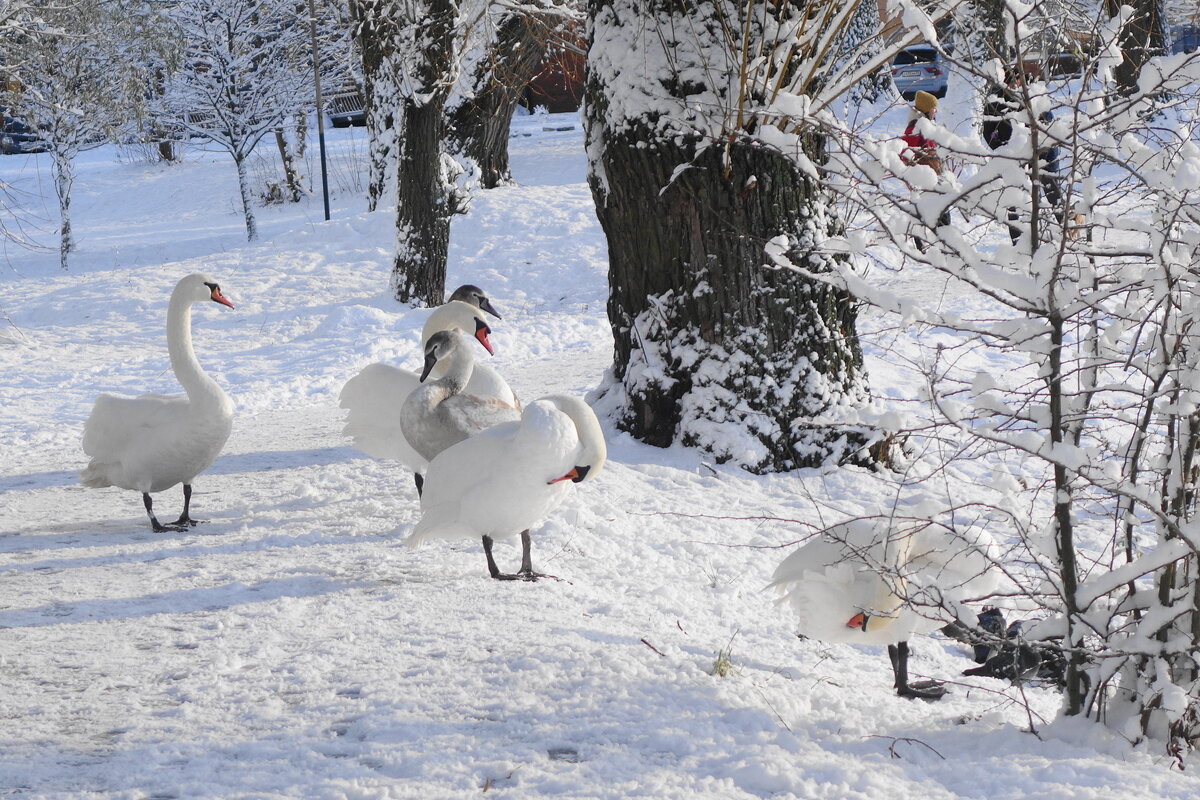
120,429
117,422
487,382
456,478
497,482
373,399
472,414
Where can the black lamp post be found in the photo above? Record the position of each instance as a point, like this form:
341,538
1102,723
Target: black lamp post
312,32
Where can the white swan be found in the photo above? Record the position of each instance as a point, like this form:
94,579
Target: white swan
504,480
881,580
440,413
374,396
152,442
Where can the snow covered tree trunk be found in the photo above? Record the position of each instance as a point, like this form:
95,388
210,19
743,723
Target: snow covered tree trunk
714,346
422,208
989,30
300,121
1143,35
479,123
291,174
375,34
1064,505
64,179
239,160
425,198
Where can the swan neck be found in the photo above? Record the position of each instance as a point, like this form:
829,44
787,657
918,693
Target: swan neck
184,363
453,315
458,368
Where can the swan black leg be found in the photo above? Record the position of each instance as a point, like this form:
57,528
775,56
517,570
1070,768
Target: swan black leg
419,480
184,520
493,570
155,525
526,572
922,690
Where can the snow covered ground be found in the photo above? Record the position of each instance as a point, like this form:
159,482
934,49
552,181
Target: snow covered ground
290,647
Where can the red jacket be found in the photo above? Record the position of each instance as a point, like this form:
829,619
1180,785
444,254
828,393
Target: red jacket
915,141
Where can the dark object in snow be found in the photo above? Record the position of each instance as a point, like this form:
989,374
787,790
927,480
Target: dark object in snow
1003,653
568,754
1003,105
17,137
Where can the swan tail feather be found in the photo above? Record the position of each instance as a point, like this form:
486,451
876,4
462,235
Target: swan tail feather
95,475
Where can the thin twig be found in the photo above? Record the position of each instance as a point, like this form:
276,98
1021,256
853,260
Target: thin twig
897,739
652,647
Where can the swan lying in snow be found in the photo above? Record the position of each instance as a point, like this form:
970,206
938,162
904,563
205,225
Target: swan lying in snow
374,397
502,481
871,581
152,442
440,413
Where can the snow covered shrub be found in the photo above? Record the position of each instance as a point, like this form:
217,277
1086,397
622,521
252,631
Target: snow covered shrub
1069,356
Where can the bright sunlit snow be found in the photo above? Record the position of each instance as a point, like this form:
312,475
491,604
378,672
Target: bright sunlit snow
291,647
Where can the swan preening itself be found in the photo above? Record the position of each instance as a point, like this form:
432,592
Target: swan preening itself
373,398
881,580
502,481
152,442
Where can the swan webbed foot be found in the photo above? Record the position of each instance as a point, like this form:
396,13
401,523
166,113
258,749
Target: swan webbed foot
923,690
533,576
184,522
525,573
155,525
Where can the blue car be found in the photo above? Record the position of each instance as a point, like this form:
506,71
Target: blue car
919,68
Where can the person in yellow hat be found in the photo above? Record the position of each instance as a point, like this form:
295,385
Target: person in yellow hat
921,150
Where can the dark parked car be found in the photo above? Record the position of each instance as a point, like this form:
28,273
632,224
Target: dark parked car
17,137
920,68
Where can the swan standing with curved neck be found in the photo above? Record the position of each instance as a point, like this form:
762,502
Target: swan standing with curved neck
441,413
153,442
502,481
373,397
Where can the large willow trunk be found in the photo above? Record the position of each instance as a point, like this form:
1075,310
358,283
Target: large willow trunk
714,345
479,125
